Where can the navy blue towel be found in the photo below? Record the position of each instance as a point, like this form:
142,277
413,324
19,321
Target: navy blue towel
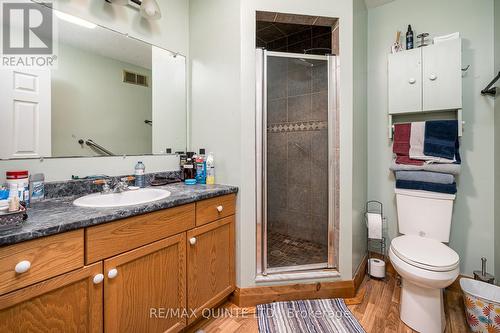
425,186
441,139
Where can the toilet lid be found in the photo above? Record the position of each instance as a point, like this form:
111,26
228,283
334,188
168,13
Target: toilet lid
425,253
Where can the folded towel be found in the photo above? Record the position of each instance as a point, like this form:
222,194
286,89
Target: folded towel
401,144
417,136
453,169
424,186
425,176
441,139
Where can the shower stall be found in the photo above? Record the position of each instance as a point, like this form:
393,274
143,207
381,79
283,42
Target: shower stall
297,153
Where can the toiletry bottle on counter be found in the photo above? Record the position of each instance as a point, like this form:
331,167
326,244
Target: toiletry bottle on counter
201,168
409,38
189,171
37,187
182,162
21,180
210,163
139,173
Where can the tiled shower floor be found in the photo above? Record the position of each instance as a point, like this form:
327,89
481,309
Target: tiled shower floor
284,250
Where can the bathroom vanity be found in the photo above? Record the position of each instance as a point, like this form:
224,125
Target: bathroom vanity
150,268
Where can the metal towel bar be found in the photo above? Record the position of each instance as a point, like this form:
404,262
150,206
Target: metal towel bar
92,144
489,90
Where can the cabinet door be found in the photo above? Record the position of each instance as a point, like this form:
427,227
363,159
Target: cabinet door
144,289
210,272
442,76
405,81
71,302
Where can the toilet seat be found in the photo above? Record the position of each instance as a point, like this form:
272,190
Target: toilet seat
425,253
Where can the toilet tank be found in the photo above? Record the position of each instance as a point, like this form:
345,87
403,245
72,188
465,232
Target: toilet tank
423,213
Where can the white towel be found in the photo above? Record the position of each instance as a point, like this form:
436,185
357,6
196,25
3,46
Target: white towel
417,138
374,224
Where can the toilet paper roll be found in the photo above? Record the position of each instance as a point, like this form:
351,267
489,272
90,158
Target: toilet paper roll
376,268
374,224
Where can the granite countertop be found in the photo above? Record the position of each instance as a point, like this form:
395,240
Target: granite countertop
53,216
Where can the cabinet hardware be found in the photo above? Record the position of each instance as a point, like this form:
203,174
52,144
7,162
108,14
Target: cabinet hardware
22,266
112,273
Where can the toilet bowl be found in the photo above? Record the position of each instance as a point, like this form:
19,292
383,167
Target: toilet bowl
426,267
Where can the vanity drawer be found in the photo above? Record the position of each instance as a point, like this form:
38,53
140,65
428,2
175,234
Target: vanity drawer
215,208
106,240
47,257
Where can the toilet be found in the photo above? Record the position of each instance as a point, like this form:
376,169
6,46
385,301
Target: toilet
426,265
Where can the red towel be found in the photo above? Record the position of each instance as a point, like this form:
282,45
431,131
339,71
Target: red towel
400,159
401,145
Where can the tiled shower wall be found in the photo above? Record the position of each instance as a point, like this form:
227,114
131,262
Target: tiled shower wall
297,148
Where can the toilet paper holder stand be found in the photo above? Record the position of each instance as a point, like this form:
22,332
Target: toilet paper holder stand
374,206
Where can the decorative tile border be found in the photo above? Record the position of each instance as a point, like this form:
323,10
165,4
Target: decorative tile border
298,126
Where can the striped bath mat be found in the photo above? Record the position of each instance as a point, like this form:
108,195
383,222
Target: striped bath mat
314,316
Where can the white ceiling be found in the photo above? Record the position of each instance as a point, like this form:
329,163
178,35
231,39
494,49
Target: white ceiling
376,3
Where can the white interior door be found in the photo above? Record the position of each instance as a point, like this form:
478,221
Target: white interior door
25,113
442,76
405,81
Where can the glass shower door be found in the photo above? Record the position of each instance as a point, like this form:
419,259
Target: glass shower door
296,218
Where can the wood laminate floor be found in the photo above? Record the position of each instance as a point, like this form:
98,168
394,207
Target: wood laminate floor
377,313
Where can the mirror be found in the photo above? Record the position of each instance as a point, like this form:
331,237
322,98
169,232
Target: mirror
109,94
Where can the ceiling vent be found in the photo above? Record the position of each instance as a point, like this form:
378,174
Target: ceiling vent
135,78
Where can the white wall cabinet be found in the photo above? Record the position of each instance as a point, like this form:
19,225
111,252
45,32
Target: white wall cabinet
426,79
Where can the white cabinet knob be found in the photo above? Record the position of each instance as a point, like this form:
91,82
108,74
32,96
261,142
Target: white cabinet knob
192,240
98,278
432,77
112,273
412,81
22,266
220,208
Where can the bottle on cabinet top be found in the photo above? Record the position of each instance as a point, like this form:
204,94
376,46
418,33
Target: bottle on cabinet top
409,38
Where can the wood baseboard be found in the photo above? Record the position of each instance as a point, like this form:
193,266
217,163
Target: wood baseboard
245,297
360,272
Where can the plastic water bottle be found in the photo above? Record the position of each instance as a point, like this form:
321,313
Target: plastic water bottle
139,174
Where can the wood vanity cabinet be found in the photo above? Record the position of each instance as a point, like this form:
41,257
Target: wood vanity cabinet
210,262
147,273
71,302
144,285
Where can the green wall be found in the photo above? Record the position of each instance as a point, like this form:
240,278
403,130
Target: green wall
472,233
360,154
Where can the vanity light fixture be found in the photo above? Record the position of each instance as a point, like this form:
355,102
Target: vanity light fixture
75,20
149,9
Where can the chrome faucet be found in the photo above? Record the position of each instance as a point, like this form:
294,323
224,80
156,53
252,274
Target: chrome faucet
120,186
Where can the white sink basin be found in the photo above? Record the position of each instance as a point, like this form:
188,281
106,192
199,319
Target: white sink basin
127,198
